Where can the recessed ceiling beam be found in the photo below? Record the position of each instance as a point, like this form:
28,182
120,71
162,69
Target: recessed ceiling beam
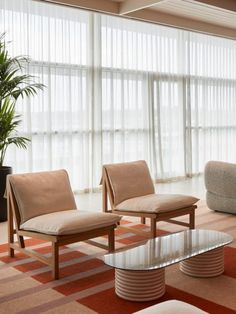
106,6
229,5
112,7
184,23
128,6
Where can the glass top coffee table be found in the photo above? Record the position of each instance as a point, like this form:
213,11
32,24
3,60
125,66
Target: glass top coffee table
140,271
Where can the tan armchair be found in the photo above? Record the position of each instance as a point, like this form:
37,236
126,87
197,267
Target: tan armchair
41,205
131,193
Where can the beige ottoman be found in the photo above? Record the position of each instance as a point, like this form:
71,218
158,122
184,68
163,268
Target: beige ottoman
171,307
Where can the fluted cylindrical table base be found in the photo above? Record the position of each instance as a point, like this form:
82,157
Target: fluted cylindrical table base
140,285
209,264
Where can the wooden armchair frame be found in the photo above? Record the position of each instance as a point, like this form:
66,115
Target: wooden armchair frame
107,195
56,240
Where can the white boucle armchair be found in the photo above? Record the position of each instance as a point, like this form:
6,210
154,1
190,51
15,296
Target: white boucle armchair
220,183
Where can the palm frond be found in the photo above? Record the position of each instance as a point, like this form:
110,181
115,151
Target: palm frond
9,121
13,84
19,141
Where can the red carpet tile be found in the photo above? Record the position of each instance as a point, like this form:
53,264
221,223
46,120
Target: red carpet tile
230,262
70,270
85,283
108,302
37,264
204,304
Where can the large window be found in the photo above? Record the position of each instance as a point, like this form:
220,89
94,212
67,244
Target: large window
120,90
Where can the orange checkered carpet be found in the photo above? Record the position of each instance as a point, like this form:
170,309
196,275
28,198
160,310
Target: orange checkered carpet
87,284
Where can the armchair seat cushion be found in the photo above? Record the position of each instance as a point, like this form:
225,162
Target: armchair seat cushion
156,203
69,222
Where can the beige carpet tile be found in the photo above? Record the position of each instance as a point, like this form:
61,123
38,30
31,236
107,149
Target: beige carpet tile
72,307
220,290
28,303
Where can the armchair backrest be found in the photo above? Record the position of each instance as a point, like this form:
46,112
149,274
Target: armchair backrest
41,193
128,180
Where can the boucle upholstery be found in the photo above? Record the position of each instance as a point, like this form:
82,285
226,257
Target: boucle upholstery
69,222
220,182
157,203
42,193
171,307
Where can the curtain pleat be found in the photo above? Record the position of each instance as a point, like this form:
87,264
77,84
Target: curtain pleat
120,90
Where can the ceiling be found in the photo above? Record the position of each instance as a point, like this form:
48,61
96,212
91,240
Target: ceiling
217,17
198,11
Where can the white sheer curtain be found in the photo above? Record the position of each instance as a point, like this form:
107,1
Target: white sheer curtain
142,94
212,90
58,120
120,90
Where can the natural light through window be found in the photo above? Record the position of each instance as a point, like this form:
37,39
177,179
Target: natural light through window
120,90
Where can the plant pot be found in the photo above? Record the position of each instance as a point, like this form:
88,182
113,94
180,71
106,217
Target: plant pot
4,171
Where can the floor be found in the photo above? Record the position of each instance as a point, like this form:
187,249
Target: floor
93,201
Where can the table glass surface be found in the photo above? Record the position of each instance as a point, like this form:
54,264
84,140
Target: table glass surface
166,250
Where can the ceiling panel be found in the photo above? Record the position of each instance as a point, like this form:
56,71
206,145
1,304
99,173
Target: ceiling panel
216,17
197,11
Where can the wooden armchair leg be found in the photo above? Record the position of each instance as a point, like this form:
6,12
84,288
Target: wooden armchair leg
55,260
153,227
192,220
111,240
10,232
143,220
21,241
11,252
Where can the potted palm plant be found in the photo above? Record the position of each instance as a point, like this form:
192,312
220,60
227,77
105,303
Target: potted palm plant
13,85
